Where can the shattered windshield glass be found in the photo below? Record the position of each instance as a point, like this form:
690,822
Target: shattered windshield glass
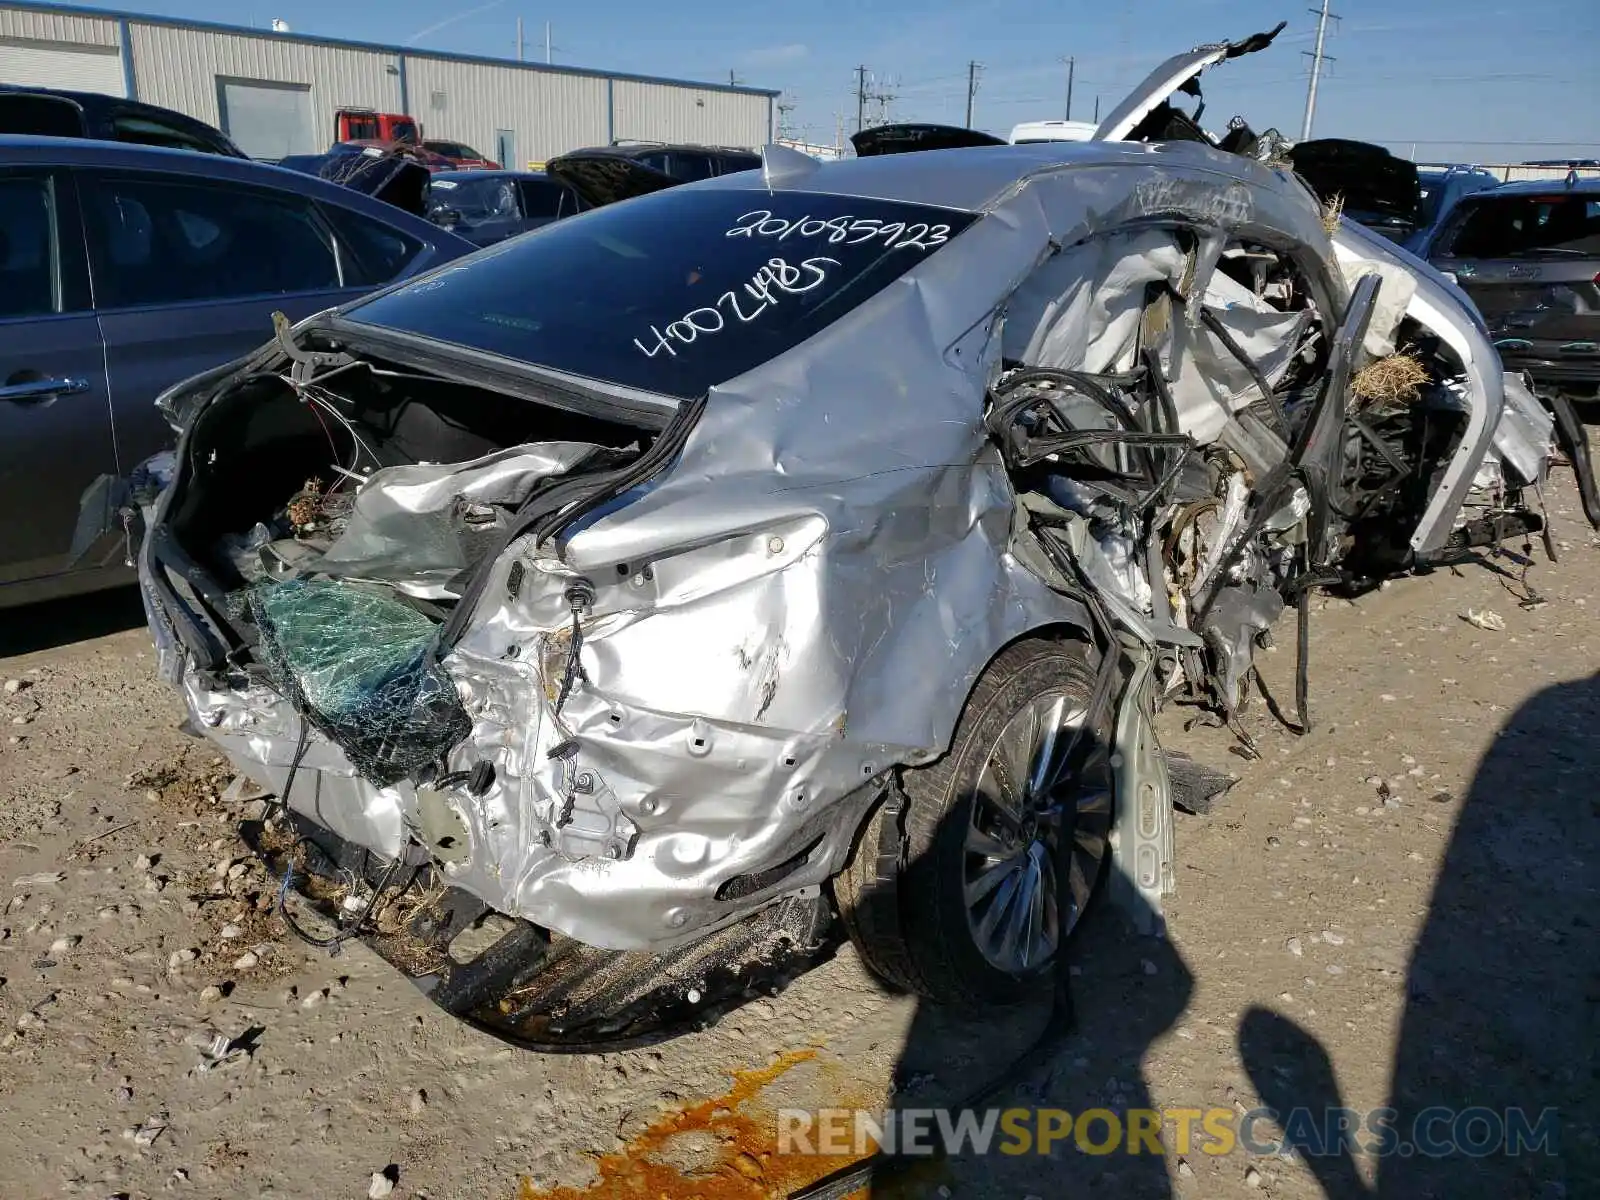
673,292
491,196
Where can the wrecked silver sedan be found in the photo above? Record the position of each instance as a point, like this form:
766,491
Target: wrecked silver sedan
631,596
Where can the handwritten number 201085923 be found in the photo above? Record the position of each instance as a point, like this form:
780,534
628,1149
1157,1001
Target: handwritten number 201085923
846,230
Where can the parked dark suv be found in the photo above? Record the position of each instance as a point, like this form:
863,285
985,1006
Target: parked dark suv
684,163
606,174
47,112
1529,256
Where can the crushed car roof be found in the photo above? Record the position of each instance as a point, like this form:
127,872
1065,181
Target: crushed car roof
974,178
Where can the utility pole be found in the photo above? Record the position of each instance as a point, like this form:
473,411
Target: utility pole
884,99
1097,110
1072,64
972,87
547,43
861,97
1317,58
519,39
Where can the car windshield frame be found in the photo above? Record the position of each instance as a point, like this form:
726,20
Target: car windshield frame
671,293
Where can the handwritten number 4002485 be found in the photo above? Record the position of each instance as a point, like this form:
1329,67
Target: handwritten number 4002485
776,279
846,230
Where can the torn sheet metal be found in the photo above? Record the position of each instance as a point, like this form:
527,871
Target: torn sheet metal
414,527
1525,436
1443,309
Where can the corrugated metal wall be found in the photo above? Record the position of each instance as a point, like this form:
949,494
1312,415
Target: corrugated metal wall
549,112
663,112
57,27
178,68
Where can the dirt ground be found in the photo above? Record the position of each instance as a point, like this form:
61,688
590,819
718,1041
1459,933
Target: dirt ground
1396,910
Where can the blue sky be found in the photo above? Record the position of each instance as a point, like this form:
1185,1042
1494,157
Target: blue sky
1465,80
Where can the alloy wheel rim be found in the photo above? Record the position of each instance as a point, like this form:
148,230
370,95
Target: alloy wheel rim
1036,786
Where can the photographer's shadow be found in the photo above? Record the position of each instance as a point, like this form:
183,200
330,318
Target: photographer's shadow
1502,989
1083,1055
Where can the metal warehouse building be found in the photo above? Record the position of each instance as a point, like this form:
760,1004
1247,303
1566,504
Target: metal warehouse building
276,93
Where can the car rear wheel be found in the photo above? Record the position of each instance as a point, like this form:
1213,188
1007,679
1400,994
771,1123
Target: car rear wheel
968,879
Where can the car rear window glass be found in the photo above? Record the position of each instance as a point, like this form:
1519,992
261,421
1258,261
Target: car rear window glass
158,241
672,292
1431,192
144,131
27,259
375,253
690,165
1518,226
41,116
729,164
541,197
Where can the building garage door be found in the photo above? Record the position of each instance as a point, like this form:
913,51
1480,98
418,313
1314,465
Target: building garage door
62,65
267,120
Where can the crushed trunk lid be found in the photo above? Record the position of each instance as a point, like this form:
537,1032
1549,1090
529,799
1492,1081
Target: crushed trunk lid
1378,189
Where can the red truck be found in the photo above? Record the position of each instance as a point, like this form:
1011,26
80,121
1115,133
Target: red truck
366,125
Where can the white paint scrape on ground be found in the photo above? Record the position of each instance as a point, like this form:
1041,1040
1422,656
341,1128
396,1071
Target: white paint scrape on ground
1396,910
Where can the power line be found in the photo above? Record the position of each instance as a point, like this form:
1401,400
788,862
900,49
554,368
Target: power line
884,98
879,97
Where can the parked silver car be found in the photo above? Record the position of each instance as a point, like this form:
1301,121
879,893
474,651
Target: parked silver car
823,534
124,269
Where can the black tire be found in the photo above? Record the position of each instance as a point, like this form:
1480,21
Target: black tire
902,894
